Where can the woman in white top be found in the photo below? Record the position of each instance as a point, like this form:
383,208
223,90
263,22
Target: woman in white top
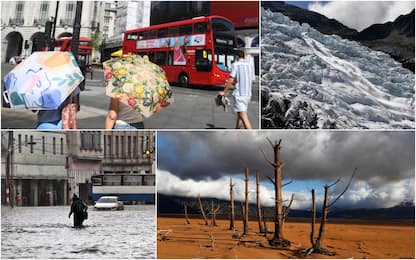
122,116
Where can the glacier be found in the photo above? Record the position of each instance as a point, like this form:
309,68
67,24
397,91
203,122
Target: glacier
312,80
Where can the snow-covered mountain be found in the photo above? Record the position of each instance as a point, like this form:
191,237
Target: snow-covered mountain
314,80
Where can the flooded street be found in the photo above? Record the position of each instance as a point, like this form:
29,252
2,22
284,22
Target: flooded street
47,232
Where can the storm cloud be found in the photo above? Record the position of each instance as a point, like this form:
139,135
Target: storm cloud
381,157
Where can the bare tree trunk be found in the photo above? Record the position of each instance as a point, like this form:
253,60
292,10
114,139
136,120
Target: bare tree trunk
264,224
212,214
317,245
202,210
186,215
232,214
259,217
313,218
246,204
243,218
287,209
278,239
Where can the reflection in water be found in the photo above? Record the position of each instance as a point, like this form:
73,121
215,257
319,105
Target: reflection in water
46,232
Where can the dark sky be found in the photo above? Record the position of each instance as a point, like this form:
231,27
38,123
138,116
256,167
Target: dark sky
380,156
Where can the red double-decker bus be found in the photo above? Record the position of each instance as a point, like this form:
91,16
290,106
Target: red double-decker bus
84,49
197,51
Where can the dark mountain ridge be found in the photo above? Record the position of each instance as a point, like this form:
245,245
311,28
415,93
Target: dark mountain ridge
395,38
170,205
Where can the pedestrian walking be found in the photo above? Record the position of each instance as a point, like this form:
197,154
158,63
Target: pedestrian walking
122,116
53,119
79,208
242,77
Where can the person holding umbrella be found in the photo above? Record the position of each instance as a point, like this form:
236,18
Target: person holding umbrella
122,116
45,81
137,87
52,119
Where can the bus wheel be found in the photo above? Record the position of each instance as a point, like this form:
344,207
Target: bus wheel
184,80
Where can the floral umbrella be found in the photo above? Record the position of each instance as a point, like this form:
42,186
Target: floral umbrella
43,81
137,82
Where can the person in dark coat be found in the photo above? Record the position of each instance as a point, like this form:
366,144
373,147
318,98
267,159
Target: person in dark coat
79,209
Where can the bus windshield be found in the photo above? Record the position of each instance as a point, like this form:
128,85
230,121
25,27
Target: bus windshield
224,43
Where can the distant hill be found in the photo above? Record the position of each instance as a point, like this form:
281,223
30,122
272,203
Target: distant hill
316,20
174,206
396,38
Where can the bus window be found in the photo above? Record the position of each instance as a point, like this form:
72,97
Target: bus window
151,56
148,180
143,35
162,32
170,58
160,58
153,34
203,60
112,180
185,29
132,180
132,36
201,27
223,59
173,31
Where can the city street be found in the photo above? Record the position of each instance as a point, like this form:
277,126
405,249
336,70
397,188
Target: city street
46,232
193,108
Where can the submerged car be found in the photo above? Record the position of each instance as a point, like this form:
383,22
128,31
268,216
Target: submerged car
109,203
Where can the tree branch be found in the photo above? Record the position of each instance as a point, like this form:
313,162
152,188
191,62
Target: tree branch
335,182
270,179
346,188
271,143
268,160
287,183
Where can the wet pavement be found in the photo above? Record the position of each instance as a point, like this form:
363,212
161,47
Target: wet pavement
47,232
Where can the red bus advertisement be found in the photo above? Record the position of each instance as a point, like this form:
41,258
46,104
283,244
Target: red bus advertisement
197,51
84,49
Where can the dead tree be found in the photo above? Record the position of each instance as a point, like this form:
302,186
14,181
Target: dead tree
287,208
186,214
243,217
245,230
264,223
317,243
278,239
232,214
202,210
213,214
259,216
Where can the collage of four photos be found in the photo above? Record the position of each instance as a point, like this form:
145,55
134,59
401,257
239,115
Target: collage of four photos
207,129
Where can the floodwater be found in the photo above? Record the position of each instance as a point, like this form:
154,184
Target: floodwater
47,232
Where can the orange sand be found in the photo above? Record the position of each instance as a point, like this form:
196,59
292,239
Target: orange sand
346,240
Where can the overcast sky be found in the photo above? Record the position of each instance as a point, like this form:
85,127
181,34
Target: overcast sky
190,163
360,14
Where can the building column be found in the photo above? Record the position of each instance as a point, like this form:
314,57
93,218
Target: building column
50,190
34,192
65,191
18,193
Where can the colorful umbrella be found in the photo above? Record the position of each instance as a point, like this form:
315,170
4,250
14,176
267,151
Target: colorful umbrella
137,82
43,81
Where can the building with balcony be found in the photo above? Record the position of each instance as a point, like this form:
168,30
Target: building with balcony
33,168
129,152
23,23
84,160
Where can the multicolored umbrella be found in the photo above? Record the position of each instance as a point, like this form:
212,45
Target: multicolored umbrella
43,81
137,82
